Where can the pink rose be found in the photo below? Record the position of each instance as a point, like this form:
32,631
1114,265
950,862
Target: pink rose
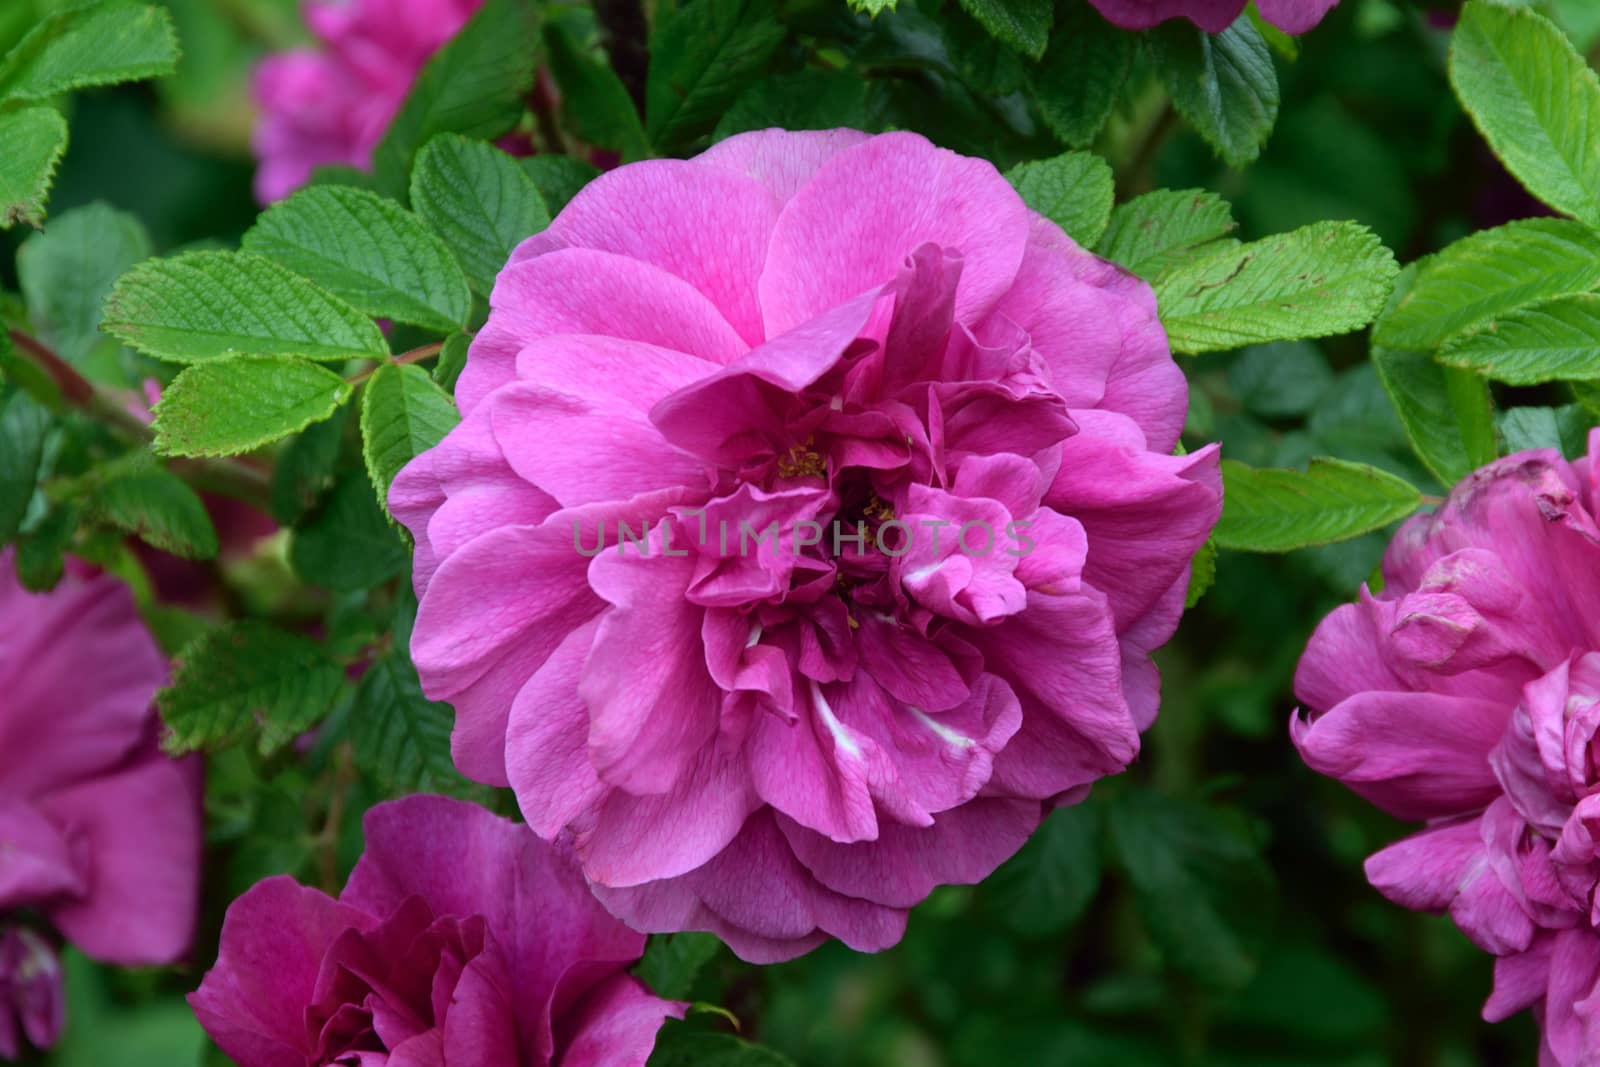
460,938
902,456
331,105
1467,694
99,832
1213,16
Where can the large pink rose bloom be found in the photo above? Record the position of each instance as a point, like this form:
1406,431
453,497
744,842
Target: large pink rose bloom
461,938
332,104
904,452
1213,16
99,832
1467,694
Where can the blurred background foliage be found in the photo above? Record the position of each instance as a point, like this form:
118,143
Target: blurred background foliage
1206,908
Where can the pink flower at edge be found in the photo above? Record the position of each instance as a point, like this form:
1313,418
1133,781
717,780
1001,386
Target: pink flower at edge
786,743
460,938
331,104
100,832
1214,16
1466,695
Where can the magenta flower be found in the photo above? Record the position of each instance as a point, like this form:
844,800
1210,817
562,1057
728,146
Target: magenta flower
1213,16
99,832
332,104
901,453
1467,694
460,938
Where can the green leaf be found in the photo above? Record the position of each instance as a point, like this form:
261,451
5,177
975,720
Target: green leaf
305,468
1565,429
1073,190
479,200
558,178
1158,231
1047,886
400,737
228,406
594,103
246,680
31,143
1587,394
1322,279
67,273
1201,885
368,251
403,413
1224,84
140,497
701,58
1266,510
1022,24
452,361
24,425
347,544
1202,574
806,99
1490,273
684,1044
1447,414
1281,379
209,305
1076,84
475,86
672,962
1555,341
1534,99
41,551
99,45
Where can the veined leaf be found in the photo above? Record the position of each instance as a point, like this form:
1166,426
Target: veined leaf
23,428
1534,99
479,200
1073,190
1076,83
96,45
1267,510
348,544
31,143
223,407
209,305
1554,341
1156,232
594,102
403,413
1322,279
67,273
1489,273
1022,24
701,58
244,680
137,495
1447,414
1224,84
368,251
